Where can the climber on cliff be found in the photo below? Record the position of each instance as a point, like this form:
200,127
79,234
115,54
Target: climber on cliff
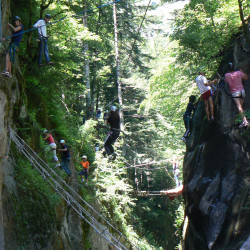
204,86
14,44
43,40
85,171
49,138
234,79
187,116
65,157
114,121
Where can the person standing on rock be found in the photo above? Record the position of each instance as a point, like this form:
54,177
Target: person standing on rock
85,171
49,138
234,80
65,157
204,86
43,40
14,45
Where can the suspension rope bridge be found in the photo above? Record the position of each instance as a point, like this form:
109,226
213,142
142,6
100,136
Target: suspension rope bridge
73,199
172,193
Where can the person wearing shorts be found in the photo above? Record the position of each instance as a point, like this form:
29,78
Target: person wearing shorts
234,79
204,86
49,138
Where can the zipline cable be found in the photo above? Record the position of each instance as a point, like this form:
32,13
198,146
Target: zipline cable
61,19
68,194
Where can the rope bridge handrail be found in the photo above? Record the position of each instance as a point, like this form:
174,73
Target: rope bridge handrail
72,198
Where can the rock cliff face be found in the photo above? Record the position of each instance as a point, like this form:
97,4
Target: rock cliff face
216,174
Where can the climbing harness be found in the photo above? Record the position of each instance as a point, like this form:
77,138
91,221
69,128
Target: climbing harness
51,23
72,198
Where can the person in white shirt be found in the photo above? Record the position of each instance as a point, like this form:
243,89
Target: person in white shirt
204,86
43,40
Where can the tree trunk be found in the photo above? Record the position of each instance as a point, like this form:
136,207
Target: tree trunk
118,68
244,24
86,78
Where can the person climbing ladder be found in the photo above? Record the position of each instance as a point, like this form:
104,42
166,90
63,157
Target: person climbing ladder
85,171
114,121
43,40
65,157
14,45
49,138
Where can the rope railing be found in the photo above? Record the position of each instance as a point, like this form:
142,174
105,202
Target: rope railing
71,197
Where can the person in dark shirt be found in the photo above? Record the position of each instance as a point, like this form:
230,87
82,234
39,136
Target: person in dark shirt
14,45
114,121
105,116
65,157
187,115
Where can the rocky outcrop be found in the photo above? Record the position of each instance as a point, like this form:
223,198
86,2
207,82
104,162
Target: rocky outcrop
216,174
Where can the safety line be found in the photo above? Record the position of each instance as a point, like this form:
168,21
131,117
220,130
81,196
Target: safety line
68,194
82,12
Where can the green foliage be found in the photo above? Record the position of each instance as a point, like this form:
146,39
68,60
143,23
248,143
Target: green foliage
34,207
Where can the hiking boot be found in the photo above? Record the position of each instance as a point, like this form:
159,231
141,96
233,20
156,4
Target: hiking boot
184,139
57,165
51,63
104,153
7,74
110,158
244,124
3,73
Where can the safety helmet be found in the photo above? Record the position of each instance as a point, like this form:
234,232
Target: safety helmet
45,131
17,18
84,157
62,141
230,66
113,108
48,16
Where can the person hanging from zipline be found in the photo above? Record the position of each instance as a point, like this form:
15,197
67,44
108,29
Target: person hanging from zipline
49,138
43,40
14,45
176,172
85,171
204,86
65,157
114,122
187,116
234,79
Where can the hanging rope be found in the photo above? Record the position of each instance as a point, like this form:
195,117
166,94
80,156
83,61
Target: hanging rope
72,198
51,23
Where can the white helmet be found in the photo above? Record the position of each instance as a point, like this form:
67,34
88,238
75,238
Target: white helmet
62,141
45,131
113,108
84,156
